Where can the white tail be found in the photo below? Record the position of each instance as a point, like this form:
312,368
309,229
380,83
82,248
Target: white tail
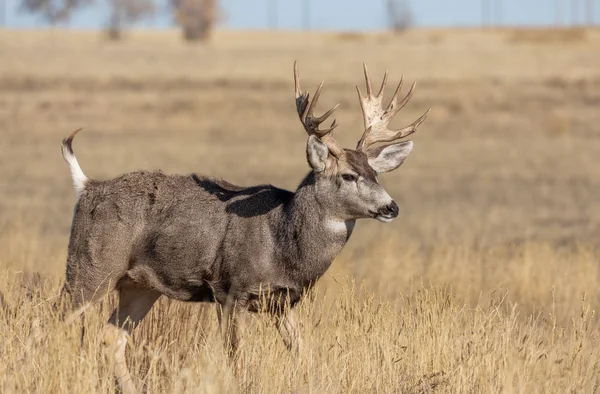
79,178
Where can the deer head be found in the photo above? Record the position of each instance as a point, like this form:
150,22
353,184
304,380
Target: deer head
347,180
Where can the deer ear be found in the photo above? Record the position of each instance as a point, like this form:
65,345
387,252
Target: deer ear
316,153
390,157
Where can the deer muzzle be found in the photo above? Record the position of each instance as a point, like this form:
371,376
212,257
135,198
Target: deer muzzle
388,212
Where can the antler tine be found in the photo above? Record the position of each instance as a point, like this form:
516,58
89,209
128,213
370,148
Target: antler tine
382,88
367,80
310,122
326,115
297,80
315,99
369,85
397,91
405,100
406,131
377,119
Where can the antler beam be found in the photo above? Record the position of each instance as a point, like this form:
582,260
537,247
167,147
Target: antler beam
377,119
310,122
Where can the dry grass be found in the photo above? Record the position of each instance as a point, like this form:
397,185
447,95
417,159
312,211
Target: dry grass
389,334
486,283
548,36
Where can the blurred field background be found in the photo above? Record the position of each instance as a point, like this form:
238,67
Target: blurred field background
486,282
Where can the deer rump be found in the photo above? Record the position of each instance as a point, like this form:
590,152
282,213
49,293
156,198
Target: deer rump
190,238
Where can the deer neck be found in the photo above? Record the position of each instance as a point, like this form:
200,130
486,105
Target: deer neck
316,234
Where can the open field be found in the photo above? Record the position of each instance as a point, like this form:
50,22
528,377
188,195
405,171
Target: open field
486,282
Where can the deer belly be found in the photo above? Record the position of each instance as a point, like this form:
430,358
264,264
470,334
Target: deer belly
274,300
194,288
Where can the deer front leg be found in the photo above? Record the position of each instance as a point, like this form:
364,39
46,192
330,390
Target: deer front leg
289,331
231,326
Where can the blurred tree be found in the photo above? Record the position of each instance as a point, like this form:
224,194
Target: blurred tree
123,12
53,11
399,15
197,18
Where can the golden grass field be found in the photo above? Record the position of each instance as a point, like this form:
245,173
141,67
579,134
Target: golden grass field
486,282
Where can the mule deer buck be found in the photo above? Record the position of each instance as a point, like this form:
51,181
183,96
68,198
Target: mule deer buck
193,238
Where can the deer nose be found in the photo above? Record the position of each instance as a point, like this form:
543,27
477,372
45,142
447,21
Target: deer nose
390,210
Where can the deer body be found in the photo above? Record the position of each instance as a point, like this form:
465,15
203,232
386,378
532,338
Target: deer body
196,239
192,238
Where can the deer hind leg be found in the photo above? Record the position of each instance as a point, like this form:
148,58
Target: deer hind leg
134,304
78,297
286,324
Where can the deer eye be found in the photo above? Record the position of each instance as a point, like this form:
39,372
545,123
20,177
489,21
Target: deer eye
349,177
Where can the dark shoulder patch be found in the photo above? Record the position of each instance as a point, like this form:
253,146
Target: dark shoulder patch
225,190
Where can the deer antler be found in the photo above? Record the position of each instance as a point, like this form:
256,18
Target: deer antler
377,119
309,121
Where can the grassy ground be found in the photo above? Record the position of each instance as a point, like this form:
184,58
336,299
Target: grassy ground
487,282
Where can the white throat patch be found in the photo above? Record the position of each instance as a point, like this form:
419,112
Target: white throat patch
336,226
